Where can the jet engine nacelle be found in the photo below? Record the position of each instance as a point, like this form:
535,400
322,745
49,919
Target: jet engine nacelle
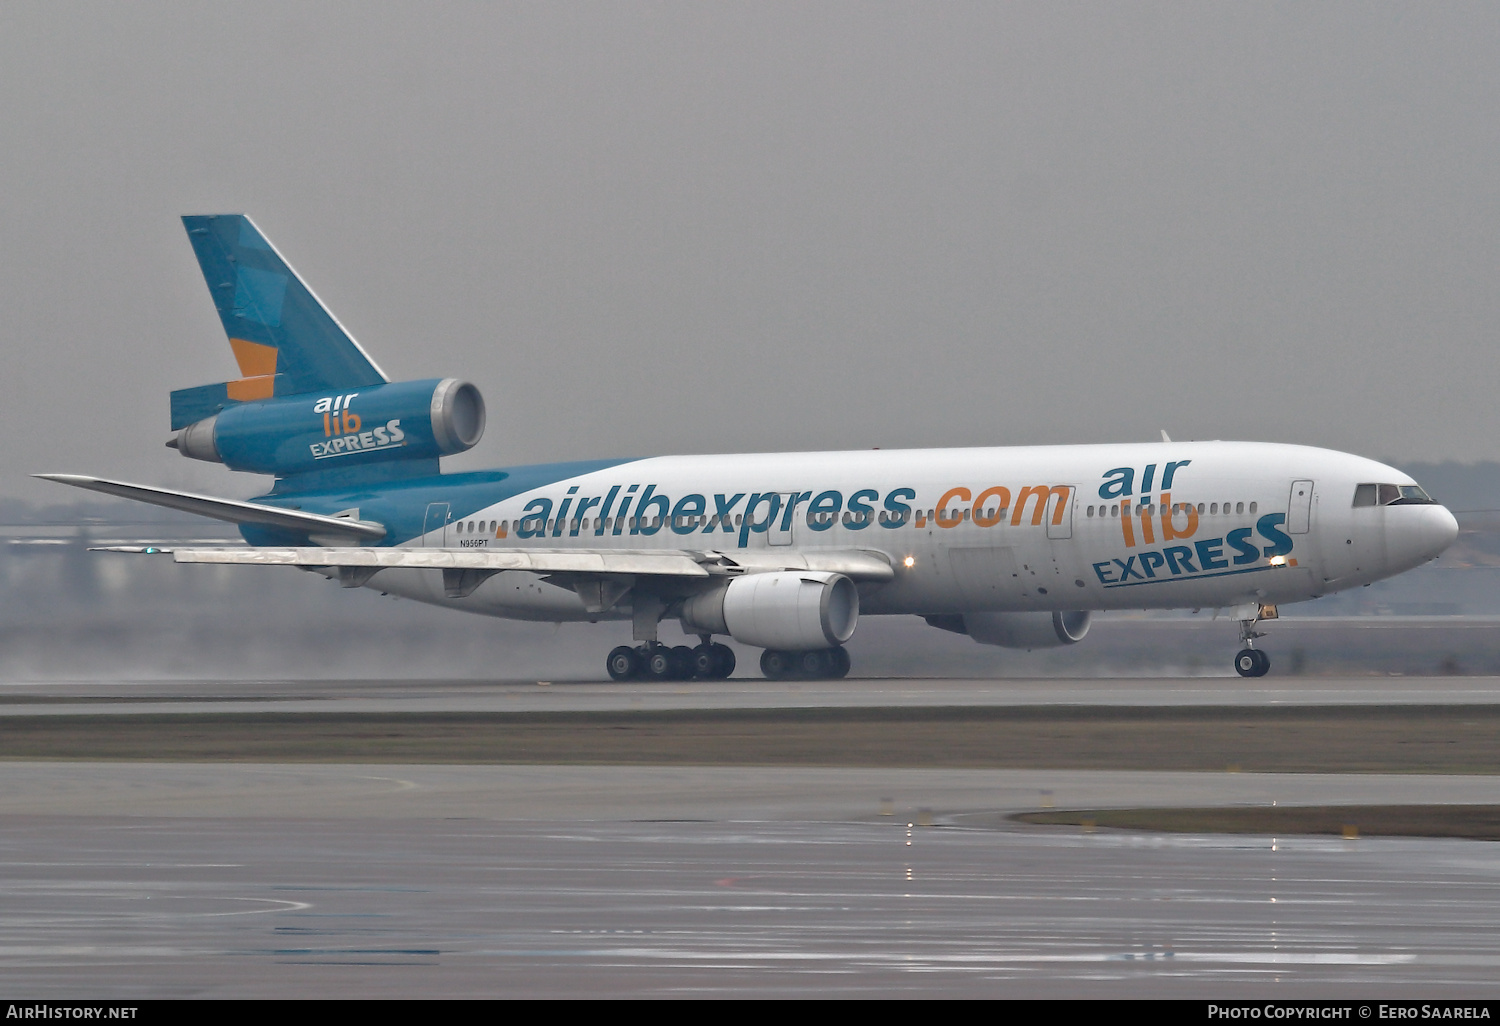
1027,630
794,611
407,420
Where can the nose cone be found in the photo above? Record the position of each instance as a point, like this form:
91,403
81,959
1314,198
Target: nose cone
1415,534
1442,531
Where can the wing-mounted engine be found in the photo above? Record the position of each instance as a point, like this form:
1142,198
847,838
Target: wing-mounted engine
1018,630
407,420
791,611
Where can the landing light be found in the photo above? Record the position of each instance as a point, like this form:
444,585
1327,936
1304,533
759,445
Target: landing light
910,561
1278,561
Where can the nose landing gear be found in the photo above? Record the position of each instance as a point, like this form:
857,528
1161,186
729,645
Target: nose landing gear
1251,661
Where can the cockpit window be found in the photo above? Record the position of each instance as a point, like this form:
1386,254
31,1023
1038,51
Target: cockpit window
1412,495
1390,495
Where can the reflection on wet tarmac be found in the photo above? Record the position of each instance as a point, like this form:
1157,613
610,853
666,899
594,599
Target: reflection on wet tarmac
136,907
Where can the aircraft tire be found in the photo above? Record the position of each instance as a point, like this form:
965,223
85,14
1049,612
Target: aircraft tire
814,665
723,661
623,663
777,665
706,662
682,663
1264,661
713,661
1247,663
839,658
660,665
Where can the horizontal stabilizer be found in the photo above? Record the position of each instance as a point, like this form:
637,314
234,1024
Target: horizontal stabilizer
232,510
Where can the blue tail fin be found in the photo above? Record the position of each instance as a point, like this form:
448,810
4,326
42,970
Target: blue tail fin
284,340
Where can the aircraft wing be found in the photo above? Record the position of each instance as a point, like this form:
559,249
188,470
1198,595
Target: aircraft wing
542,561
232,510
600,576
857,564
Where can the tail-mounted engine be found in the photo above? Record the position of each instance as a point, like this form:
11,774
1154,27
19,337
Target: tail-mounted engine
408,420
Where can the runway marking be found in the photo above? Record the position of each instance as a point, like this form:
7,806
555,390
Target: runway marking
289,906
402,785
1010,958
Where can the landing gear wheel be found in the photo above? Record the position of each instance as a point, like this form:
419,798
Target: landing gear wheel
724,655
660,664
839,658
1251,662
623,663
777,665
705,662
682,663
814,665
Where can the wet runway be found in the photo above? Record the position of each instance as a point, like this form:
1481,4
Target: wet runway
120,908
140,880
261,696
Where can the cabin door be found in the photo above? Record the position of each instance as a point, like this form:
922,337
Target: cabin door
782,529
1299,508
435,525
1060,522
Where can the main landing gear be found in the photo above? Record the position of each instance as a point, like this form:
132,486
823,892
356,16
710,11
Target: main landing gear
709,661
817,664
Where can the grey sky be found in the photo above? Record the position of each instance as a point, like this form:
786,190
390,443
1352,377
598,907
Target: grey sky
646,228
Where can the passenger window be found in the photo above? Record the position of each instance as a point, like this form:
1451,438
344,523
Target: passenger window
1253,508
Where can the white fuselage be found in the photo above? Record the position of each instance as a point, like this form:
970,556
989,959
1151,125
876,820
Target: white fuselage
1083,527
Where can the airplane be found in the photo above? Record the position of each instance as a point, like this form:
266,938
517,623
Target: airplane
1011,546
